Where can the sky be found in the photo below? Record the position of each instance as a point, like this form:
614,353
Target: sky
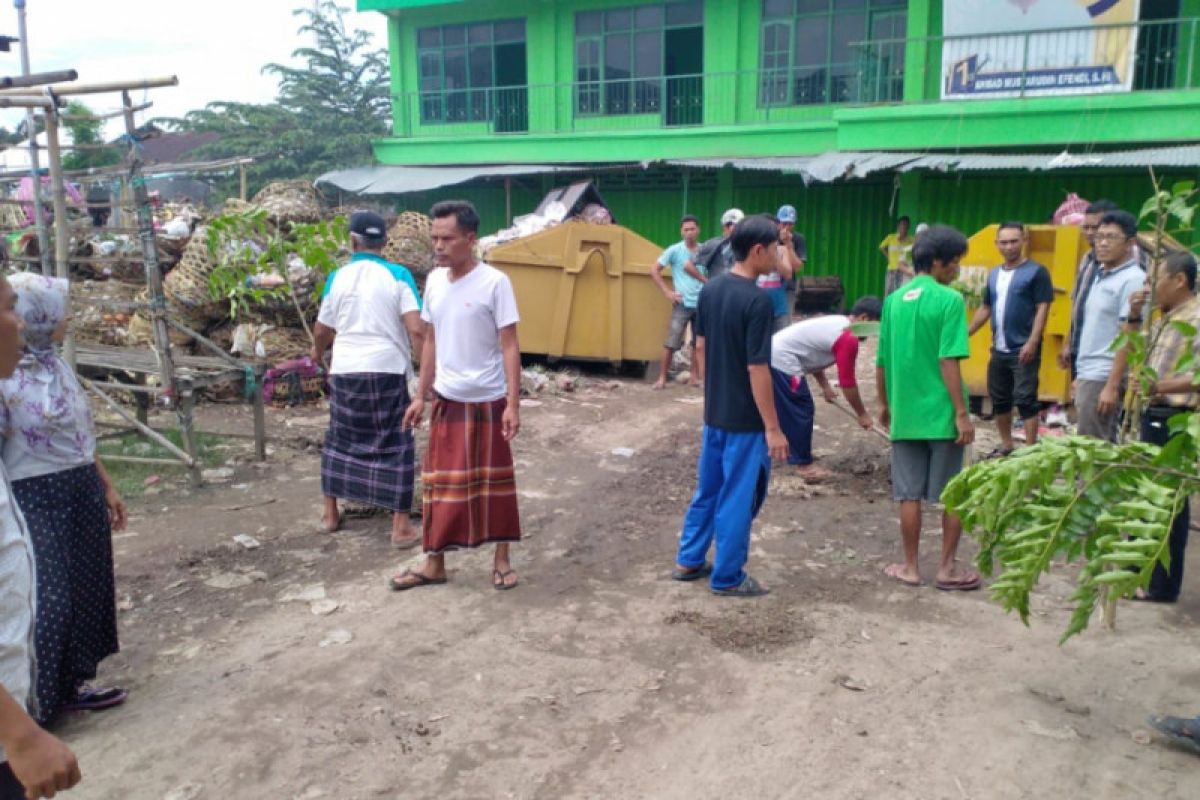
216,47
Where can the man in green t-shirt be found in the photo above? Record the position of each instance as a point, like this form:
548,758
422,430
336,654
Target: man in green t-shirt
923,400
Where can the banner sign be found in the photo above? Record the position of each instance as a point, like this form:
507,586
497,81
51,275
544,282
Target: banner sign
1015,48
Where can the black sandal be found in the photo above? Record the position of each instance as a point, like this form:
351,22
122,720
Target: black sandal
749,587
498,582
687,575
397,583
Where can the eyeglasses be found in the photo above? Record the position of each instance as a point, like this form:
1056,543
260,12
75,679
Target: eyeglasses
1112,237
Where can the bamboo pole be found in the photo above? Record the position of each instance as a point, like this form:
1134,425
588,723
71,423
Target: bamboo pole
242,181
39,217
145,430
110,86
62,229
145,222
27,78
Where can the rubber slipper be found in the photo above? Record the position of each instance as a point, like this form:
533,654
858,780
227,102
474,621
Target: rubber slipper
398,583
406,544
1183,732
968,585
688,575
892,573
97,699
498,582
999,452
749,587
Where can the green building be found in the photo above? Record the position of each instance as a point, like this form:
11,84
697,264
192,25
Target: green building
854,111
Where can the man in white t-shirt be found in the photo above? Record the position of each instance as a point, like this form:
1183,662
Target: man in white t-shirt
471,371
809,347
369,314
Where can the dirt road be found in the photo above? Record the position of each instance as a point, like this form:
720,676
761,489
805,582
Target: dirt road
599,677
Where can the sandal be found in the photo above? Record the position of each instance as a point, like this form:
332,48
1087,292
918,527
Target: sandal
968,583
407,543
999,452
98,699
749,587
687,575
1184,732
412,580
500,584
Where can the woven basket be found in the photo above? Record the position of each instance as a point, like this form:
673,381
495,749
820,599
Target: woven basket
410,243
290,201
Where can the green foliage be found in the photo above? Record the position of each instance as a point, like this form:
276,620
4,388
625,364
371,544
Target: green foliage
1106,505
85,129
325,116
247,246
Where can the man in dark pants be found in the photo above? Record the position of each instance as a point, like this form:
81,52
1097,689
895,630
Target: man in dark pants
1174,392
1017,300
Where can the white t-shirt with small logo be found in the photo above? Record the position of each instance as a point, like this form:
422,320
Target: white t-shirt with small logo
467,315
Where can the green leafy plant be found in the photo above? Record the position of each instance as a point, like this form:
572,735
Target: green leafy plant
1108,506
1105,506
252,256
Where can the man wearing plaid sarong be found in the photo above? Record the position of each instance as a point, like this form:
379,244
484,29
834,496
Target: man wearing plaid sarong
471,373
370,316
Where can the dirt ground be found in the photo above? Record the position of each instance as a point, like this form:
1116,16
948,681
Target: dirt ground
600,677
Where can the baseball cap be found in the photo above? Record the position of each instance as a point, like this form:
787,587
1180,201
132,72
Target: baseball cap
732,217
786,214
368,224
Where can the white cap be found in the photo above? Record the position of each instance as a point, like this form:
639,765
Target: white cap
732,217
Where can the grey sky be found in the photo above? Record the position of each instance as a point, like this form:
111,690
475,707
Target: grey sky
216,47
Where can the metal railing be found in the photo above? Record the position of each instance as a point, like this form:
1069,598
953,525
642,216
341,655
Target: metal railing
1139,56
1143,56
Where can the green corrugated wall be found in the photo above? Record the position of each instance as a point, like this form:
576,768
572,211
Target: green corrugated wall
970,201
843,222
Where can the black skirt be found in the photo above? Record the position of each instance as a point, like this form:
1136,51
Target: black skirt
76,623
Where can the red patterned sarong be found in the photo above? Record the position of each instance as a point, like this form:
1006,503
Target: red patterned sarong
468,480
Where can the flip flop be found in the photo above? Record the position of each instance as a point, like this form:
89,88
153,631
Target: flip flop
398,584
498,582
98,699
749,587
966,585
688,575
998,452
891,573
1183,732
406,544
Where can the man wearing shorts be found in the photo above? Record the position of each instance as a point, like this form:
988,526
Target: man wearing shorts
923,400
1017,300
687,280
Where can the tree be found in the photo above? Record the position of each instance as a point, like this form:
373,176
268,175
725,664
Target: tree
85,128
1106,506
325,116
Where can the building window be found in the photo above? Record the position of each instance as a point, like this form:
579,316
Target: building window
473,72
640,60
831,51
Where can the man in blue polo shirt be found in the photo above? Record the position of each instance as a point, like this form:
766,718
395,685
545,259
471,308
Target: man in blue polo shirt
1100,371
1017,300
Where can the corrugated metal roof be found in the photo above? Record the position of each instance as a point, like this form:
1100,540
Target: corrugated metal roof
836,165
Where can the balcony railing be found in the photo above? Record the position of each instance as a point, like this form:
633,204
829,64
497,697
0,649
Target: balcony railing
1142,56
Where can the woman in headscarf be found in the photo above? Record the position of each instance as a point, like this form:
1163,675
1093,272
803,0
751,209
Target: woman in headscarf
69,502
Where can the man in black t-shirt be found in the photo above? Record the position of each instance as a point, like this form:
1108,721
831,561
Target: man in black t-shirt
716,255
741,430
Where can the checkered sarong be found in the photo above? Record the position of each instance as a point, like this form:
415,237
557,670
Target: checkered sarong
368,456
469,484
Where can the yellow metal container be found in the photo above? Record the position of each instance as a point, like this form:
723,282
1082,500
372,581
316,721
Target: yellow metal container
585,292
1059,248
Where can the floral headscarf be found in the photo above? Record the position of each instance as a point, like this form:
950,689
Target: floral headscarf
44,414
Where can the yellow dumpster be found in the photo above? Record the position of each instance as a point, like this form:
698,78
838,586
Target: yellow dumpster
1059,248
585,292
